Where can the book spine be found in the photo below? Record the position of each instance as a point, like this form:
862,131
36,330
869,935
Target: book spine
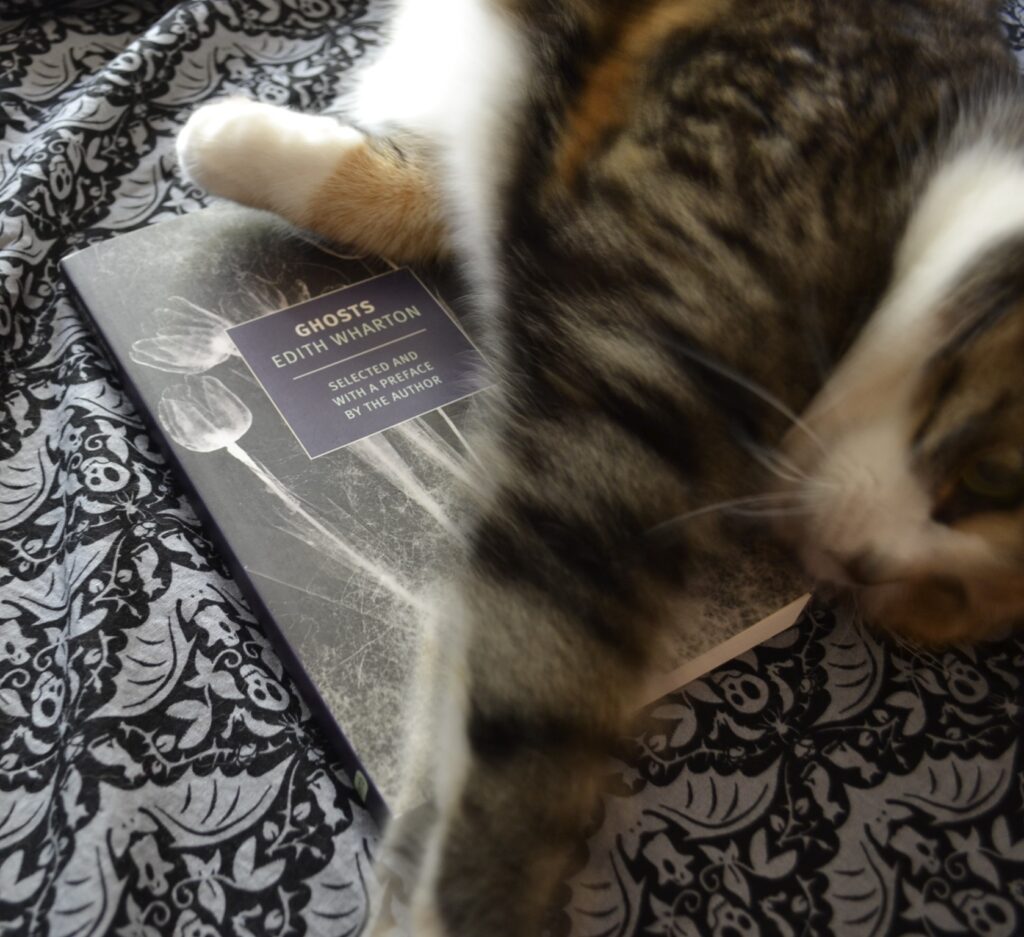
371,796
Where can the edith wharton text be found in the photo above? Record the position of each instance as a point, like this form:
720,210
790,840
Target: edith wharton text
369,385
337,331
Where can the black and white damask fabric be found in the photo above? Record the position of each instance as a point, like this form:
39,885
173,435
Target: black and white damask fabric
158,772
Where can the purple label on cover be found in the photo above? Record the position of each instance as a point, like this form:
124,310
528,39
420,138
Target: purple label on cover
351,363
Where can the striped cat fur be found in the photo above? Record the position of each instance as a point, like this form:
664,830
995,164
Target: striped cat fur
676,216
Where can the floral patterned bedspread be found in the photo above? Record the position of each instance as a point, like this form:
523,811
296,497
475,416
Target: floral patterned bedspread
827,782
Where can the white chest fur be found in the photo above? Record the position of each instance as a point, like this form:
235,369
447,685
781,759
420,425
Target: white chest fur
452,72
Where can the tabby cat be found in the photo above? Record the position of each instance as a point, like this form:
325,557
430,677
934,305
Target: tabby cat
672,213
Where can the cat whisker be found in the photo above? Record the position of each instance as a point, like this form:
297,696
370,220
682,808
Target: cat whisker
795,511
778,465
754,388
782,459
732,505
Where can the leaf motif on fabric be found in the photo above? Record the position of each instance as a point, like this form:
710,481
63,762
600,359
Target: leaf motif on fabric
712,804
99,398
860,887
854,670
46,596
258,727
146,563
927,678
247,875
958,789
21,811
932,913
685,722
984,868
65,61
88,890
198,76
26,481
860,879
339,894
198,714
83,624
221,682
138,194
177,542
19,240
702,691
207,809
1002,841
777,867
282,50
979,863
844,755
915,719
56,519
607,897
735,881
151,664
211,896
201,868
136,926
11,705
13,887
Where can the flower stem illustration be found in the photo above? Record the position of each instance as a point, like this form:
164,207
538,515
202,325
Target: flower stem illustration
204,415
426,441
377,452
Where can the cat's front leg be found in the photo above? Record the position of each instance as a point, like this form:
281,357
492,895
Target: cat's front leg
547,635
374,194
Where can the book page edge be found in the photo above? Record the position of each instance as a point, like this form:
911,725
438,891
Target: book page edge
664,683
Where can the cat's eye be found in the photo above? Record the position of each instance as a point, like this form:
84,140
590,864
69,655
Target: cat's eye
997,476
992,482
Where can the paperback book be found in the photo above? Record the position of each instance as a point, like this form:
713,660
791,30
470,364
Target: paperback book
312,404
314,407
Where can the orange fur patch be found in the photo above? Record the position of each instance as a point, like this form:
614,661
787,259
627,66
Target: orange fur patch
381,204
602,104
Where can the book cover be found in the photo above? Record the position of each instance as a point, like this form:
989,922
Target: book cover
316,428
313,405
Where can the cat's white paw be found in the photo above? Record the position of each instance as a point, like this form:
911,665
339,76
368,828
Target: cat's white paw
262,155
214,144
